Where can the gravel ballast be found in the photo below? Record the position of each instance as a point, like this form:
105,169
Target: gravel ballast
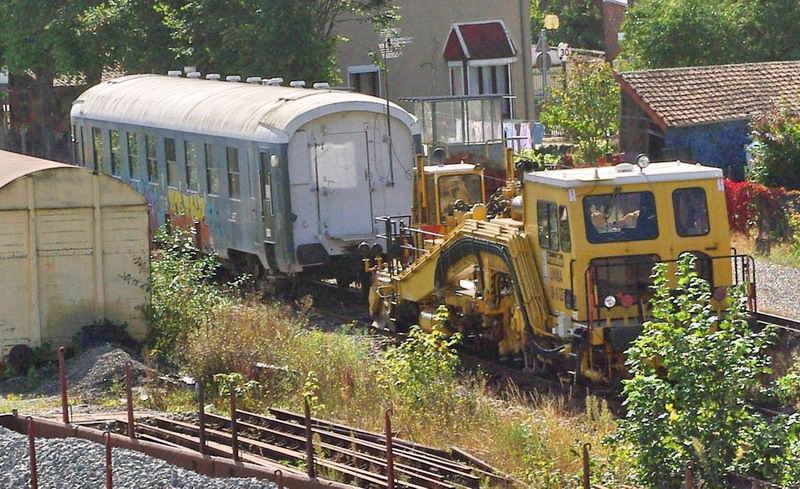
72,463
778,288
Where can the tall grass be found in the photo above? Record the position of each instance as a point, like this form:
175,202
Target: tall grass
350,378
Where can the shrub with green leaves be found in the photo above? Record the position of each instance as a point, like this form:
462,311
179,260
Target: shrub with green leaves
182,294
422,369
693,373
776,153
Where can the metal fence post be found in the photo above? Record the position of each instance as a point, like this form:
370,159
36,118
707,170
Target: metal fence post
32,454
109,475
309,442
129,399
689,475
587,479
201,415
279,478
389,453
234,428
62,374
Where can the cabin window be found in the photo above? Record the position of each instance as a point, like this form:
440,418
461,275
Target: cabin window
563,229
458,192
113,137
97,148
190,154
172,162
691,211
232,155
547,213
152,159
620,216
133,156
212,171
623,275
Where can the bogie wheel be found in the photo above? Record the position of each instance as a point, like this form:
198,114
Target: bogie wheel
20,358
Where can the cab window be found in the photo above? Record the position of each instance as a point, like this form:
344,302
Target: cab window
547,217
620,216
691,211
563,229
459,192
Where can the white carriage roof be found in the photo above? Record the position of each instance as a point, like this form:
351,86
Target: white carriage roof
624,174
220,108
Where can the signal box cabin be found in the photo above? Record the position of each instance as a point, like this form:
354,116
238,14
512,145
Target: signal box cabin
599,231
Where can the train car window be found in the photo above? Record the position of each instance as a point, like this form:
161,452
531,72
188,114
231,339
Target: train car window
232,156
82,147
170,154
97,148
547,213
133,156
190,154
152,159
691,211
563,229
116,167
212,170
618,275
620,216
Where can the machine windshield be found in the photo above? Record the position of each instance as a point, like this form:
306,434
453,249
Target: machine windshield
459,192
620,216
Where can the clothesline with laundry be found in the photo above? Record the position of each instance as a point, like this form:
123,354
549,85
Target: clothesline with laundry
523,135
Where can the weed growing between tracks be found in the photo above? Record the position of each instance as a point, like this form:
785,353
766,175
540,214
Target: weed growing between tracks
350,378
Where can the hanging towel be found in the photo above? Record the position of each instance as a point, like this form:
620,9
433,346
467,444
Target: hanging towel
510,132
525,134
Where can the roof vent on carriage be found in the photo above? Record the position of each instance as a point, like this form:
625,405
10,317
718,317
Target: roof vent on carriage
322,85
253,79
275,81
193,74
175,73
212,76
233,78
297,83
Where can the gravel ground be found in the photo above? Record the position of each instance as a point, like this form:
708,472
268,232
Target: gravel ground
76,464
778,289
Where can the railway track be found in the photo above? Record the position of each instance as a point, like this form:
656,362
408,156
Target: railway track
280,442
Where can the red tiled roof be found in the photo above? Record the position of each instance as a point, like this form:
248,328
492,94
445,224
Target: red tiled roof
479,40
703,94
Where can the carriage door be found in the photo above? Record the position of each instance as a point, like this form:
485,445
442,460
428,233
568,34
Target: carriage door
267,205
344,190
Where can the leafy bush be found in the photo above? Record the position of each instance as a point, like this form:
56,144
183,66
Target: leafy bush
776,153
182,294
767,209
586,109
692,374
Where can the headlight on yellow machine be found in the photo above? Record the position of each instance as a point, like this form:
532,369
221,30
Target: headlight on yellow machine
610,301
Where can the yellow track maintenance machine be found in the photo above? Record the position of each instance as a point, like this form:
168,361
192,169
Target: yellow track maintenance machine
558,276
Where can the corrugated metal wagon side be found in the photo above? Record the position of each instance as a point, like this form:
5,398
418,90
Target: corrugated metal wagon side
73,245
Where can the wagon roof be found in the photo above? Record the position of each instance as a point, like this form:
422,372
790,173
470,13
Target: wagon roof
229,109
624,174
15,165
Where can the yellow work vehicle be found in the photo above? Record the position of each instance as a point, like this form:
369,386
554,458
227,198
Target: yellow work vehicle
562,278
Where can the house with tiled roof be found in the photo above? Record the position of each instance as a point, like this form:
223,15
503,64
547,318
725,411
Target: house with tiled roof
702,114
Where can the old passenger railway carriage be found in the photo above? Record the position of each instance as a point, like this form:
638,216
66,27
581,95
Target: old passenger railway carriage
281,179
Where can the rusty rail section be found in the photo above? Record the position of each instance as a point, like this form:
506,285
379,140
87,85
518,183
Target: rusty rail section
359,457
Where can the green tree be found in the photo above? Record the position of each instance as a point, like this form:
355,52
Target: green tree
670,33
586,109
693,375
777,150
270,37
580,22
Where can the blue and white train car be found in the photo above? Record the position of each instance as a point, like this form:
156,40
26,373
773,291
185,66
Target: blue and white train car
275,178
